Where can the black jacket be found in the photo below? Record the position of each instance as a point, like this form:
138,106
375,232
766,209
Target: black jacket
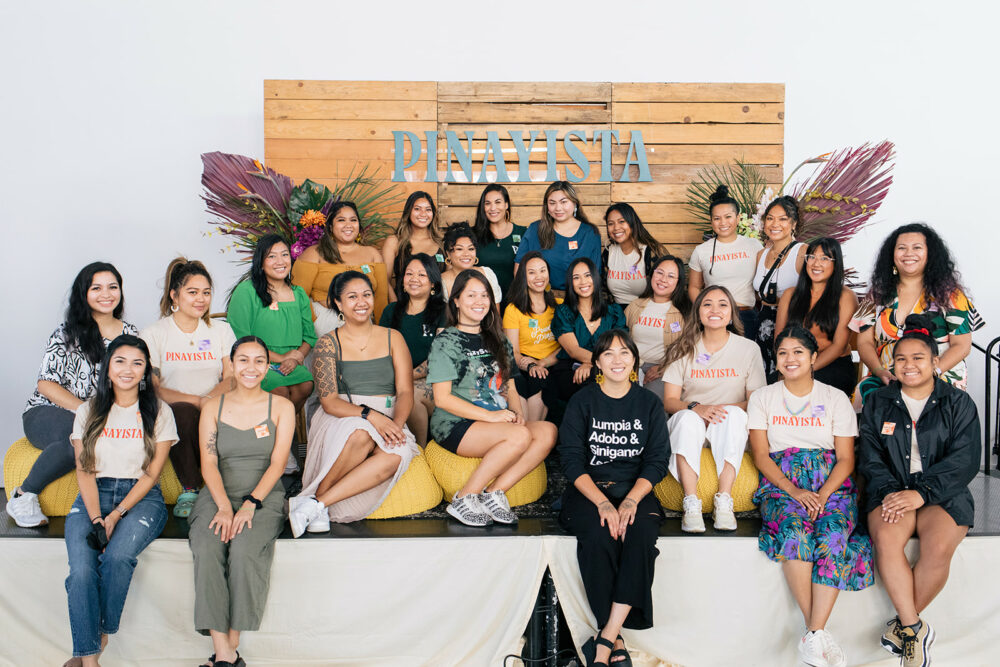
950,443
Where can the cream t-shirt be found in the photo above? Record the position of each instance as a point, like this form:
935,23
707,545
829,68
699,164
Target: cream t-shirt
120,451
189,362
723,378
735,264
806,422
914,407
647,332
626,274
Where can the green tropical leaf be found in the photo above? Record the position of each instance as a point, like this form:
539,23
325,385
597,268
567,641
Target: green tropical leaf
305,197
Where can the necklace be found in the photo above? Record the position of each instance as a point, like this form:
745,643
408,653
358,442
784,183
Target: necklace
362,348
190,336
795,413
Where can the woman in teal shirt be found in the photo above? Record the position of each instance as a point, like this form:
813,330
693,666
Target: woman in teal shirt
497,236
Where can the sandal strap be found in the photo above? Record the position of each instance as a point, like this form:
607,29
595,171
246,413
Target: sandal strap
605,642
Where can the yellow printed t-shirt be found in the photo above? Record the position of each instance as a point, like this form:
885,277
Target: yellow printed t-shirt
535,337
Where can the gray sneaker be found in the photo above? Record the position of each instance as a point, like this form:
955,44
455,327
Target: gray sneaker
496,505
468,510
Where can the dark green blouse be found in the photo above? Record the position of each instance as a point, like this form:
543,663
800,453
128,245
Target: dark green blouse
499,256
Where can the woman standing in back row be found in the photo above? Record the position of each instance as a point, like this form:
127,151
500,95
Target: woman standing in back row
498,238
418,231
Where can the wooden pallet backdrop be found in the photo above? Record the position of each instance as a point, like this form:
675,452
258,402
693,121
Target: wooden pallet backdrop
324,129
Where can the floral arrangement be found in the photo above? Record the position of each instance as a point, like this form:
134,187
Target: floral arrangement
250,200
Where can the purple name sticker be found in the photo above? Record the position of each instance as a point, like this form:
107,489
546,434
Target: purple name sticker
204,345
819,411
675,327
703,358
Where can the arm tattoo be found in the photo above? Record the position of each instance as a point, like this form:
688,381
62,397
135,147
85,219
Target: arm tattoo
211,447
325,367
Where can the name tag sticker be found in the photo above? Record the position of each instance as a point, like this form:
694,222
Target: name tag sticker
675,327
365,268
888,428
633,269
533,323
261,431
573,245
516,238
204,345
439,257
274,305
703,358
388,401
819,411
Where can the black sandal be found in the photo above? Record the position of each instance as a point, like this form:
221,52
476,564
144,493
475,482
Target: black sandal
626,660
240,662
210,662
590,650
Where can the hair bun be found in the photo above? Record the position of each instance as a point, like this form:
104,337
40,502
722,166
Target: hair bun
919,324
721,192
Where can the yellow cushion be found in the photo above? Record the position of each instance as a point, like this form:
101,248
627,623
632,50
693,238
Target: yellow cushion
57,498
671,495
452,472
415,491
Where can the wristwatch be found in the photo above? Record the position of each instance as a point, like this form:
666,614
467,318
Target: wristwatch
365,411
121,511
692,404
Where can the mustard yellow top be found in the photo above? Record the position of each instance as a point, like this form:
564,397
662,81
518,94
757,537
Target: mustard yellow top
315,279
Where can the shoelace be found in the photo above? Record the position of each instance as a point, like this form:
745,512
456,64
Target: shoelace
909,646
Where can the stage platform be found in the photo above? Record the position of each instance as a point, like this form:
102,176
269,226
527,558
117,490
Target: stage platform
429,591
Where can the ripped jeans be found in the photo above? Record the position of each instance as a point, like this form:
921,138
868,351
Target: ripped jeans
98,582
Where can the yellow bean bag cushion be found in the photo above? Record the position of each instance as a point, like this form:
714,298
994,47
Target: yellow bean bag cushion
671,495
452,472
416,491
57,498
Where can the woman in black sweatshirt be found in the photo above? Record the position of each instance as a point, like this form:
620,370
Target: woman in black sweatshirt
920,448
614,449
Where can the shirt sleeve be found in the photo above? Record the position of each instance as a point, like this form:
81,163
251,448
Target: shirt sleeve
166,427
305,310
80,421
617,317
755,375
511,317
845,421
529,242
242,309
386,319
53,366
592,241
572,437
656,454
950,475
228,337
441,361
756,411
563,322
674,373
152,338
695,261
871,455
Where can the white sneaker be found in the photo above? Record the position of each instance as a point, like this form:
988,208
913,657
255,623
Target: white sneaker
292,466
303,510
468,510
497,506
811,649
831,651
25,510
321,522
723,512
693,521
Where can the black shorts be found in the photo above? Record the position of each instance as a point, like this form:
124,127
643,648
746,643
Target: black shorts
454,438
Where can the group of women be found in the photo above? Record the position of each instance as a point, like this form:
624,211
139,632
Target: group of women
483,330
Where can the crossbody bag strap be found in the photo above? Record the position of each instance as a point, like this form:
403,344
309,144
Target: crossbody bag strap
761,293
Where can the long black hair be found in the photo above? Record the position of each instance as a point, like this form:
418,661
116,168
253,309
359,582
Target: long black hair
941,278
339,283
640,235
104,398
327,246
518,294
257,277
82,332
490,329
826,313
482,226
680,298
435,300
598,305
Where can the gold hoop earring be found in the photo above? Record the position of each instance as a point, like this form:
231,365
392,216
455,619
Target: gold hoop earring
174,308
340,316
477,262
633,376
433,291
599,378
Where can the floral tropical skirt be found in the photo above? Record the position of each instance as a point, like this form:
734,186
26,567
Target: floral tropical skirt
841,560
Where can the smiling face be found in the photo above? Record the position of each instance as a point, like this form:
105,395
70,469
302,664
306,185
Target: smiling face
536,272
421,214
664,279
616,362
778,224
345,225
495,208
794,359
913,363
725,220
277,262
583,280
619,231
194,297
910,254
715,312
819,265
357,301
463,254
126,368
250,364
415,280
104,293
560,207
473,302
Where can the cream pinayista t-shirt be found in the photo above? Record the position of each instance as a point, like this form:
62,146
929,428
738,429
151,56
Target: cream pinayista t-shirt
723,378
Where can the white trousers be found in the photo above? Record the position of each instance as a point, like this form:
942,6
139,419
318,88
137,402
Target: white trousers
688,433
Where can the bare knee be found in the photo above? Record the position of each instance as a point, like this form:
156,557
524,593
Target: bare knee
388,465
519,439
359,441
937,553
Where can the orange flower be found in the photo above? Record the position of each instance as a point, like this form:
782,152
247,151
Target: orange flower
312,218
242,187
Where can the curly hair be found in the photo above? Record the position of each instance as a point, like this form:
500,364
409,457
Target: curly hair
941,278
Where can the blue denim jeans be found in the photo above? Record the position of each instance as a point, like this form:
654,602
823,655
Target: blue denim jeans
98,582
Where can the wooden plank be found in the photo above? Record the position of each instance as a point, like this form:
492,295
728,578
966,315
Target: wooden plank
338,110
710,112
703,133
698,92
679,250
684,174
706,153
651,192
520,91
345,129
479,130
349,90
327,149
491,112
675,232
520,193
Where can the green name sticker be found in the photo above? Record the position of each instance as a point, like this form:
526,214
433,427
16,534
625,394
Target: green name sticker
365,268
439,257
533,324
516,237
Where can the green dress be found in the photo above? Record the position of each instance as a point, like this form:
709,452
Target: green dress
499,256
231,580
284,326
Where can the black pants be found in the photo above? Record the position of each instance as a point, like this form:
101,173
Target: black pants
615,570
48,427
185,455
561,379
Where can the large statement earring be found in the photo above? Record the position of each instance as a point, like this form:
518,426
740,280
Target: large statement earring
633,376
433,291
477,261
895,271
340,316
599,378
174,308
142,384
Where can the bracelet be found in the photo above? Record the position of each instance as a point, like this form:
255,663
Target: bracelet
96,519
530,364
121,511
257,504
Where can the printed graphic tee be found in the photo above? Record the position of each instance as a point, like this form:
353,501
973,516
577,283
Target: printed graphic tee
189,362
806,422
626,273
535,338
722,378
734,266
120,450
647,332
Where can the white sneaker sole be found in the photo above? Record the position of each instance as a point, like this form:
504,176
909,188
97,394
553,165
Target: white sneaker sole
697,528
455,513
723,526
318,525
43,522
814,661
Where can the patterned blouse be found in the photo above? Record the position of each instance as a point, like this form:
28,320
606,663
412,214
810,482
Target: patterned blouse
68,367
960,317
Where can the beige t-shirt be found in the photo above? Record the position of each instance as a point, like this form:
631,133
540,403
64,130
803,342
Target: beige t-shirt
626,274
722,378
735,264
189,363
806,422
120,451
914,407
647,332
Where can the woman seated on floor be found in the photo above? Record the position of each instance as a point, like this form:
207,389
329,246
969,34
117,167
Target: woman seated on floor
121,437
613,449
246,435
920,449
802,437
359,444
471,366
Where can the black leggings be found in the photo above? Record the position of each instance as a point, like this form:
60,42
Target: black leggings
48,427
615,570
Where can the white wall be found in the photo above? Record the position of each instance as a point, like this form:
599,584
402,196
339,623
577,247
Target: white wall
108,105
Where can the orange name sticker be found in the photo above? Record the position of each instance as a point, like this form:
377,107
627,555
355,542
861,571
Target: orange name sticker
573,245
888,428
261,431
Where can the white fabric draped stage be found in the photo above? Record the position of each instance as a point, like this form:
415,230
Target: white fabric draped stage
466,601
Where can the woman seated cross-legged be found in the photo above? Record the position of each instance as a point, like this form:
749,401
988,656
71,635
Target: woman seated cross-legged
802,436
614,448
920,449
359,444
710,374
246,435
470,366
